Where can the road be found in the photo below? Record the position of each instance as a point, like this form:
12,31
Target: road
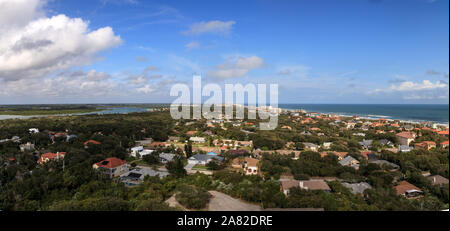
223,202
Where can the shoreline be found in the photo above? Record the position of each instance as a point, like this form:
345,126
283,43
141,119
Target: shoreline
340,114
373,117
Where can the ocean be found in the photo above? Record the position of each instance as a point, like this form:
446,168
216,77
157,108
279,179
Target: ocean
437,113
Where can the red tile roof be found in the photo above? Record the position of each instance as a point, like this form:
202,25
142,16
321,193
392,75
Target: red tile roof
111,162
190,133
366,154
404,186
91,142
407,135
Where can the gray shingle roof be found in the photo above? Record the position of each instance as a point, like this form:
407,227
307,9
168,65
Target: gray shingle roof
203,157
357,188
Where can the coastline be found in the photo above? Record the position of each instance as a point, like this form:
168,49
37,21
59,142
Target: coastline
367,116
285,107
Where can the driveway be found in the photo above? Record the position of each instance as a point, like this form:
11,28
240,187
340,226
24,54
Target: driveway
223,202
189,167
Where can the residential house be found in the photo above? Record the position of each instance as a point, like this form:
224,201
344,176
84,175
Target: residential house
26,147
427,145
315,185
137,175
136,150
357,188
385,142
46,157
156,145
166,157
444,144
367,154
248,164
70,137
311,146
404,138
437,180
203,159
408,127
112,167
350,125
286,186
340,155
366,144
174,139
33,130
243,143
191,133
405,148
196,139
408,190
349,161
141,151
327,145
90,142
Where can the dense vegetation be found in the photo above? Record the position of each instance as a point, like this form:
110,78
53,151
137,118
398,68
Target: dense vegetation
74,185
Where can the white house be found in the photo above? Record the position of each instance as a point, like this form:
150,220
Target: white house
33,130
327,145
196,139
141,151
136,150
203,159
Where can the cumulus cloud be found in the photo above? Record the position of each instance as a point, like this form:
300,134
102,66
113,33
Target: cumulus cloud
33,45
145,89
411,86
408,90
65,84
211,27
236,67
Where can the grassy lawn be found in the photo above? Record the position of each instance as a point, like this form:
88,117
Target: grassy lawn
200,167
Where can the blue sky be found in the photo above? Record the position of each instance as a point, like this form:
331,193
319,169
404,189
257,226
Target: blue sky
360,51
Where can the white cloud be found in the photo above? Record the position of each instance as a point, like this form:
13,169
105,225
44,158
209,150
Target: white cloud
66,84
411,86
212,27
192,45
236,67
18,13
37,45
407,90
146,89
